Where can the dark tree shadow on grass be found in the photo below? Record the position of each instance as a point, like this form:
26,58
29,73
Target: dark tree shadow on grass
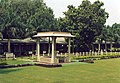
6,71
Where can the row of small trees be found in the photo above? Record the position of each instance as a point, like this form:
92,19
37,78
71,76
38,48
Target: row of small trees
24,18
110,33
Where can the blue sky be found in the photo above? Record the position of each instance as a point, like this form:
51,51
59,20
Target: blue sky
111,6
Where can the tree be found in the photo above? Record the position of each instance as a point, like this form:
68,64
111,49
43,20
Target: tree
24,18
105,36
110,34
115,30
86,22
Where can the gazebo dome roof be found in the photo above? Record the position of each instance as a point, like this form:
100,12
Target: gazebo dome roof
53,34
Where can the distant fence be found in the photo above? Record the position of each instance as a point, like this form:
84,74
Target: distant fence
90,53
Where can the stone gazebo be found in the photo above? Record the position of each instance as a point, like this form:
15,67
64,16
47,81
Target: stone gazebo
53,35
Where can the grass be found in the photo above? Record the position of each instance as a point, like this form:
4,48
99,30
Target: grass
102,71
19,60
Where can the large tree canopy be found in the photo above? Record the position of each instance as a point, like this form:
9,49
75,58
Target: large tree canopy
86,22
24,17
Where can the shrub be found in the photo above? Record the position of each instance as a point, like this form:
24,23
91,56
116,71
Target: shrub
3,63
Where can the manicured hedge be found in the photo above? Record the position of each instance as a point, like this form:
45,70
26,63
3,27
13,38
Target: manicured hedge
96,57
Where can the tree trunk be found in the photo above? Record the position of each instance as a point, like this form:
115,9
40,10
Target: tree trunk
111,46
9,50
105,46
73,46
99,47
20,50
92,47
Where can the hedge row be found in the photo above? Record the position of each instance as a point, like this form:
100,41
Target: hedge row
15,65
100,57
2,66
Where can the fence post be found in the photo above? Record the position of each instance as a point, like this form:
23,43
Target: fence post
106,52
115,52
83,53
86,53
110,52
101,52
80,53
95,53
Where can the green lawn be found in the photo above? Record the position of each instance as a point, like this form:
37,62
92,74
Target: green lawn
102,71
19,60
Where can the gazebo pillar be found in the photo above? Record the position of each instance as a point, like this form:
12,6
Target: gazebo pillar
38,49
69,48
53,49
49,47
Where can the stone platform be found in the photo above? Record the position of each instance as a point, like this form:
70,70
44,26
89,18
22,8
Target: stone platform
49,65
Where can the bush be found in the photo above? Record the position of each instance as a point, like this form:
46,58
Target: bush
87,60
3,63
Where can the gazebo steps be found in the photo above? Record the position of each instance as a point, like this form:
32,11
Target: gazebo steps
50,65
